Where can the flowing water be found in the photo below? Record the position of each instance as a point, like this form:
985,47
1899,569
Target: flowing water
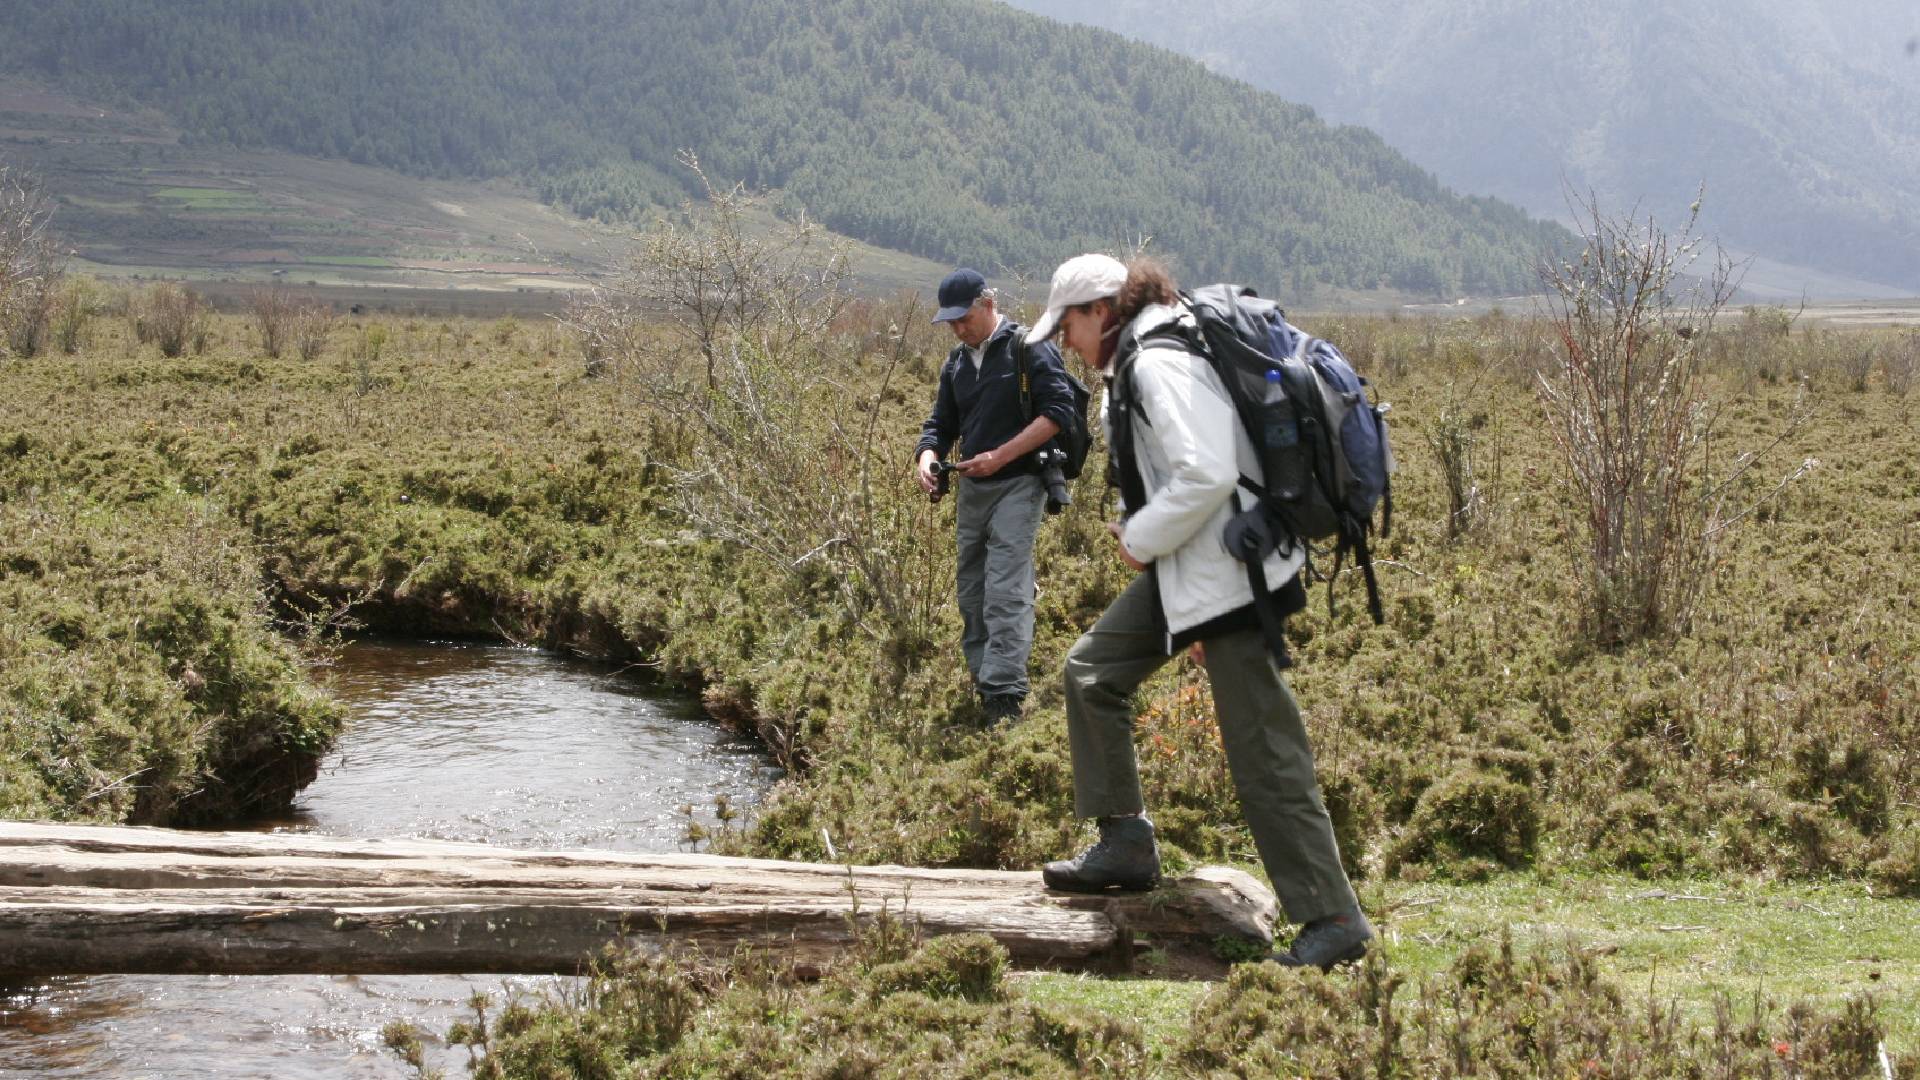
452,742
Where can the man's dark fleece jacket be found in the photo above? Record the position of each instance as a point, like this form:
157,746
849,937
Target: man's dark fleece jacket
982,409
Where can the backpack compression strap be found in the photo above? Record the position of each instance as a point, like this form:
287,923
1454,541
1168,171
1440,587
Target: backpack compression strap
1363,557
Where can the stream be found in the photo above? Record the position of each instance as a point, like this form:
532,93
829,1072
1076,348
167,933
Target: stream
475,743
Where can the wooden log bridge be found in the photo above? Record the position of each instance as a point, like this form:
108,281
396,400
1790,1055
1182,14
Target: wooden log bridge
85,900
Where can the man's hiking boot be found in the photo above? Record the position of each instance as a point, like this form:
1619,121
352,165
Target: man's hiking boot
1125,857
1324,943
997,709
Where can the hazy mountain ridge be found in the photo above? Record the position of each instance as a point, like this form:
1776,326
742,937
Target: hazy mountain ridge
962,130
1802,119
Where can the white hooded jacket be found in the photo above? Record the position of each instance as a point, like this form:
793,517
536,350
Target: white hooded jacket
1191,451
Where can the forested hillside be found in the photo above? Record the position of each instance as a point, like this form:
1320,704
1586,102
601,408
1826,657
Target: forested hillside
959,130
1801,117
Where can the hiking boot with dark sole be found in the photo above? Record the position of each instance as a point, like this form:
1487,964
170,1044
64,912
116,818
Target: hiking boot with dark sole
997,709
1325,943
1125,857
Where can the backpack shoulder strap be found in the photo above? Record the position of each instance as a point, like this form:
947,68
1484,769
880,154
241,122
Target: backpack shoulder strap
1123,470
1023,373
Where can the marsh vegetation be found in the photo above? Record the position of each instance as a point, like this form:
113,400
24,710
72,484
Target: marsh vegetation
172,525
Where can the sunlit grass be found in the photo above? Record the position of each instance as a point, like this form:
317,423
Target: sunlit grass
1689,942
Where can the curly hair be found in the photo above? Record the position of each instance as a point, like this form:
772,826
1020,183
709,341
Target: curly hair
1148,282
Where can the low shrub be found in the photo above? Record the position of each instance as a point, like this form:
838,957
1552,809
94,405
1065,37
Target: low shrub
936,1010
1469,824
1492,1013
141,677
1495,1014
1636,833
1898,871
1848,778
969,967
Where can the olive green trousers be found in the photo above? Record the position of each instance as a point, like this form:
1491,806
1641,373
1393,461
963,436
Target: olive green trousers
1260,727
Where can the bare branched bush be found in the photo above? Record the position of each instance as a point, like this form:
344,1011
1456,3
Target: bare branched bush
30,266
717,276
778,416
607,325
1759,348
309,327
273,312
366,358
1899,360
30,323
1844,357
1467,449
172,317
79,301
1628,409
1767,323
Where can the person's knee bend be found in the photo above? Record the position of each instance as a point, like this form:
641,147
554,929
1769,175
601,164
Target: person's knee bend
1078,670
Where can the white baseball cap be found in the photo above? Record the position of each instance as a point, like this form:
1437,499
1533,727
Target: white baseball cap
1079,280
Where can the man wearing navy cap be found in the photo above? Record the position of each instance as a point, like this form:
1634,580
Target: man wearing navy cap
1000,493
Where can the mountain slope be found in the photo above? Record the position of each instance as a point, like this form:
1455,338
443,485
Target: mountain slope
959,130
132,196
1801,117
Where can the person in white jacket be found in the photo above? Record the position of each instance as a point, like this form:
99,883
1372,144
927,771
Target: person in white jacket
1181,452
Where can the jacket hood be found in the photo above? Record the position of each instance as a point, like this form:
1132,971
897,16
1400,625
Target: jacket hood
1155,317
1152,318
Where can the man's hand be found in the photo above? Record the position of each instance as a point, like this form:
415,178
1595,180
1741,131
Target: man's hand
924,470
981,466
1119,532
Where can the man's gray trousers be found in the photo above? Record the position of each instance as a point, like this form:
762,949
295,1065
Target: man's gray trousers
1266,744
997,523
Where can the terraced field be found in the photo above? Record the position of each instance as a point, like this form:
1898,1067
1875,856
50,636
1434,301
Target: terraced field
135,199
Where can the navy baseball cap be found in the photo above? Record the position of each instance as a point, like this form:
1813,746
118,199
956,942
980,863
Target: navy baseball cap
958,291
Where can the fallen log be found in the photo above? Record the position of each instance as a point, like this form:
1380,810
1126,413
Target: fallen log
83,900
